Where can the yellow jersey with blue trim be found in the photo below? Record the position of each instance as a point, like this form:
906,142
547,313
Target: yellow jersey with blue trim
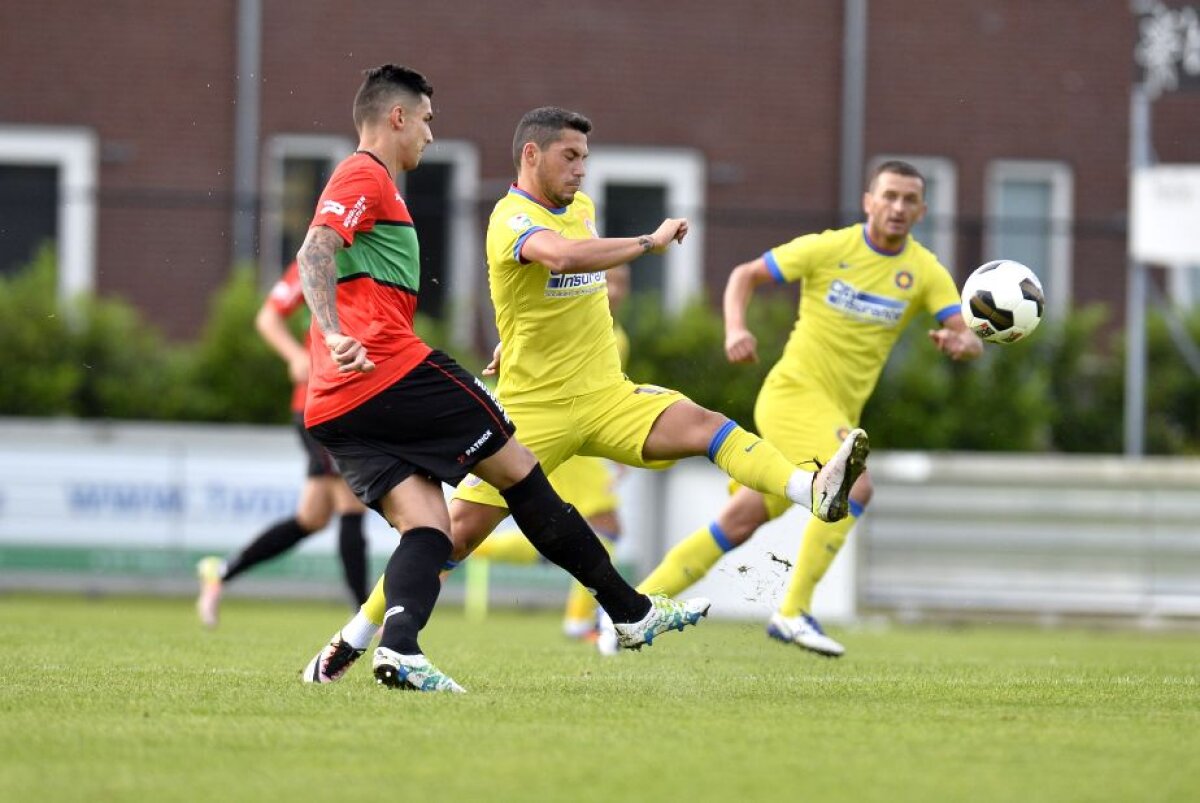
556,330
855,299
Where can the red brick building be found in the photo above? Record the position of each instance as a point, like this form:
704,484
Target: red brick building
119,129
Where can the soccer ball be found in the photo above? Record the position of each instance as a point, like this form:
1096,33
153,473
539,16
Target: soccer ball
1002,301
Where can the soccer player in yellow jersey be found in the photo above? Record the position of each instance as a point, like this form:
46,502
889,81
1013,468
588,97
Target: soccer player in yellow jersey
860,286
560,375
585,482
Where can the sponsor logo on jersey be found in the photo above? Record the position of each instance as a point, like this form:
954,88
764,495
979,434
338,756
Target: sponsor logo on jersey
591,226
865,306
904,279
332,208
564,285
844,265
520,222
356,212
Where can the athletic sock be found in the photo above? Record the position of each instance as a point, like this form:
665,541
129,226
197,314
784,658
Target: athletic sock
376,604
687,562
558,531
750,460
411,586
819,546
352,546
271,543
581,606
359,631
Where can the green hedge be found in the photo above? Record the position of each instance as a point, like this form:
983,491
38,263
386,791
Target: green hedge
1060,390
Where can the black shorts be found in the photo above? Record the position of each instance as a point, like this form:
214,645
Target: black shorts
320,462
437,421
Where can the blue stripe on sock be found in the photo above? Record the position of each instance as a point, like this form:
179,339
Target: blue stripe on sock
719,536
714,445
856,508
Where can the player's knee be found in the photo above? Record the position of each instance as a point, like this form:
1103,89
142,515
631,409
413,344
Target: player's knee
863,489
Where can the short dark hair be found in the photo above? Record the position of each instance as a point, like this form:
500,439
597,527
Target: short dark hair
380,87
898,167
545,125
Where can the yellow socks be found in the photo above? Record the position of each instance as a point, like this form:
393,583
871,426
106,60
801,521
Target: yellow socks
687,562
818,548
750,460
375,606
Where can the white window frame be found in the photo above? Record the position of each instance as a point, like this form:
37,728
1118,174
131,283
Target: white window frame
944,207
74,152
682,172
281,147
1062,211
465,254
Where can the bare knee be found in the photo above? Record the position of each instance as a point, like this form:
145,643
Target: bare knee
745,512
863,489
511,464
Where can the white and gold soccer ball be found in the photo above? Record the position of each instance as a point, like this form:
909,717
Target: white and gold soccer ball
1002,301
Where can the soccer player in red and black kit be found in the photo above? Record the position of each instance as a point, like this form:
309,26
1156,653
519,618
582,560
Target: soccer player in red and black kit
401,418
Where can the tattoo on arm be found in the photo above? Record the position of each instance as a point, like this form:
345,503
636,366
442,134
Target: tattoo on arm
318,276
646,242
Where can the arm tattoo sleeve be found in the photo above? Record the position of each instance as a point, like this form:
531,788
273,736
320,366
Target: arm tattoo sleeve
318,276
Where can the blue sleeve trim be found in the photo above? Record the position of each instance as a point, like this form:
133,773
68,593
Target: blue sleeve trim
521,242
450,565
856,508
947,312
714,445
773,266
720,537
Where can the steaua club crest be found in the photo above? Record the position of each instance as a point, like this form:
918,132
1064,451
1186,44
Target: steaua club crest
904,279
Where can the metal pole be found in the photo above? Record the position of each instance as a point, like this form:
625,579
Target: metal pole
244,225
1135,300
854,90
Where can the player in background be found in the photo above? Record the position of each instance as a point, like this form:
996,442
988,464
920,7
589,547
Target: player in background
401,418
860,286
560,371
323,493
585,482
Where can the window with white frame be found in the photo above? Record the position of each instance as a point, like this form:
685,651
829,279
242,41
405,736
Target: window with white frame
1028,218
48,181
936,231
634,189
440,194
296,169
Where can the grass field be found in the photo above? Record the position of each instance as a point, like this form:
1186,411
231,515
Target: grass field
126,699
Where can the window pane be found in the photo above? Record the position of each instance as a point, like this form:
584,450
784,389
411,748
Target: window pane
303,180
1023,225
924,231
630,210
427,193
29,211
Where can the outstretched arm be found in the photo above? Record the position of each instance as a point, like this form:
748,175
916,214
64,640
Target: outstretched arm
563,255
740,343
956,340
318,277
273,328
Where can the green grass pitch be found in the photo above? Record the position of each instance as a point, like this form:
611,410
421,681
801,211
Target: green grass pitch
117,699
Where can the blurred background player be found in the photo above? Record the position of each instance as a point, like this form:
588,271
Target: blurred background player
324,491
861,286
588,483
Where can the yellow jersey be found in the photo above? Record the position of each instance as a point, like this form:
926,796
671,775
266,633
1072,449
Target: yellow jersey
854,302
556,330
